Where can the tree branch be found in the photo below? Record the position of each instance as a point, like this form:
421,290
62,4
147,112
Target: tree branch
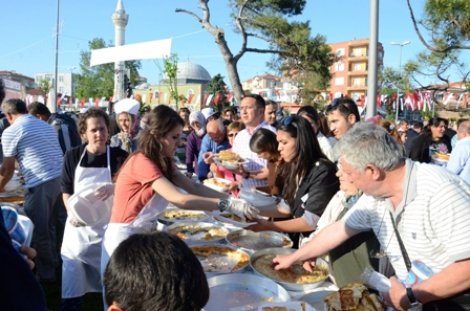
425,43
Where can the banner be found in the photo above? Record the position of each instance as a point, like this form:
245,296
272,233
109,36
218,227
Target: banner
137,51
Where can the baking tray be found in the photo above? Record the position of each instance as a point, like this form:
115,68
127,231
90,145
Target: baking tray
253,241
226,219
166,217
196,232
218,262
242,292
287,285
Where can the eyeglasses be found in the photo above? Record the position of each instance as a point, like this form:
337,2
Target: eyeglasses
232,134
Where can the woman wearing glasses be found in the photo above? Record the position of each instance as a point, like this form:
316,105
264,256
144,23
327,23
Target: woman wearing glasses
309,178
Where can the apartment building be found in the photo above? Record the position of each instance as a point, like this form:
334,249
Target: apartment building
66,81
350,70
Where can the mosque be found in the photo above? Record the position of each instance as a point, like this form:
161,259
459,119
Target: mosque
192,81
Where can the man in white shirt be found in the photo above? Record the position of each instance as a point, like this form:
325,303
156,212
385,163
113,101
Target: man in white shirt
459,161
254,172
427,204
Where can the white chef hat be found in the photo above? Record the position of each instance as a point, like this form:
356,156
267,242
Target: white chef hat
128,105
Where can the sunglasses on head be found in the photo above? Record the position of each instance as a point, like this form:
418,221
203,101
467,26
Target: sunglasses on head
286,121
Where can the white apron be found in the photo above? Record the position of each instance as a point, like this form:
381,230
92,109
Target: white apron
81,246
144,222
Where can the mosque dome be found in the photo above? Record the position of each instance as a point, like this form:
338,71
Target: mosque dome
189,72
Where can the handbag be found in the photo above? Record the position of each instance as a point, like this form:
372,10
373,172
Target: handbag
459,302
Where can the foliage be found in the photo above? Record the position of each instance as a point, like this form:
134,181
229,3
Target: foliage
98,81
45,85
170,68
294,52
392,80
444,30
216,84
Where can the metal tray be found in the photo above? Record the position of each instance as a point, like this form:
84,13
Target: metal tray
220,217
198,235
253,241
287,285
242,292
164,217
218,262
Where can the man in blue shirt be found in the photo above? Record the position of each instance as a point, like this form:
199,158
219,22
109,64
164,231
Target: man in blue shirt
215,141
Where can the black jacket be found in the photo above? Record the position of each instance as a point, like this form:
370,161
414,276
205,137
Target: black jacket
315,191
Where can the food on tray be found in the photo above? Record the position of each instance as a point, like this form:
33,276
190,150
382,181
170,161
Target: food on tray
354,297
441,156
198,232
227,155
220,258
183,215
233,217
294,274
217,182
302,306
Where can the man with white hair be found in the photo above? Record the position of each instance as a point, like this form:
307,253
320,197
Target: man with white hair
425,221
459,161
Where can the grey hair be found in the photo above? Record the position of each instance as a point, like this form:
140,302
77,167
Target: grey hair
366,144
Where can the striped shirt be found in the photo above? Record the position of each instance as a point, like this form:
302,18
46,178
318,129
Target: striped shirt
35,145
433,219
254,163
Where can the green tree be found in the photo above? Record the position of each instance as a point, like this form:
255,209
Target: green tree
98,81
444,30
289,42
170,68
216,84
45,85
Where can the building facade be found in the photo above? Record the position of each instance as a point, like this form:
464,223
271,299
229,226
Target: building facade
66,82
350,70
192,81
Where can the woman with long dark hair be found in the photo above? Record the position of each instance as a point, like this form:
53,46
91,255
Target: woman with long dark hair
149,180
309,178
432,140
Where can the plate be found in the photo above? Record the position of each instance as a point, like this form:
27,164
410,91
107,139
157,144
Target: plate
261,263
257,198
253,241
242,292
171,216
231,219
87,208
288,306
200,232
218,184
221,258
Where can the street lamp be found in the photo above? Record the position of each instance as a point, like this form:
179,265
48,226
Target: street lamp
401,44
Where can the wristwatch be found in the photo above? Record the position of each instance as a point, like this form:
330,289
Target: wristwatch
223,204
411,298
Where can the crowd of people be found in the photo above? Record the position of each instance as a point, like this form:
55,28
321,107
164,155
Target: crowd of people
367,195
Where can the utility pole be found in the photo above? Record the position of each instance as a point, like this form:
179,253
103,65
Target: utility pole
54,94
372,63
401,44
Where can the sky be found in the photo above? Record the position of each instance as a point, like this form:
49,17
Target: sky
28,32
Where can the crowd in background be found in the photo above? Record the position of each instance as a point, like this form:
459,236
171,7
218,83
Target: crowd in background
136,169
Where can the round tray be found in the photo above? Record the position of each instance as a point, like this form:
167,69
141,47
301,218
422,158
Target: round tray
287,285
242,291
195,232
218,259
254,241
170,216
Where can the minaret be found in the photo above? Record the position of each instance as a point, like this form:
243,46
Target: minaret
120,19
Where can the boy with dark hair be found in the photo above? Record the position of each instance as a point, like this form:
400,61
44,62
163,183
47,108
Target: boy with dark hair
155,271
